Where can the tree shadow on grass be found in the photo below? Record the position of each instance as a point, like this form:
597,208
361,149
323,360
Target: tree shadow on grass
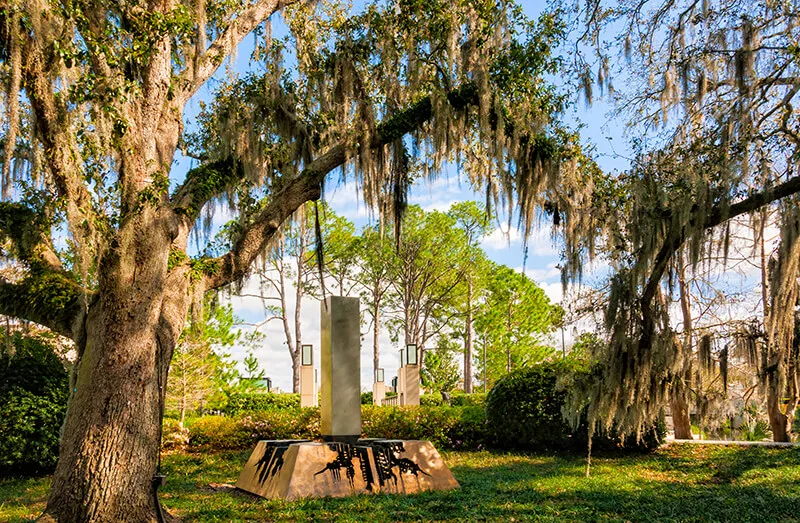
677,486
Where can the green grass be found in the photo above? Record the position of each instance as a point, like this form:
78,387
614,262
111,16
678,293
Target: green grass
677,483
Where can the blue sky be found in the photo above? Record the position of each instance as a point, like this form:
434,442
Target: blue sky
502,246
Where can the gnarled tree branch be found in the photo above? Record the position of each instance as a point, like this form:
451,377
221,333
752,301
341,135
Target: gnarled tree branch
212,58
28,232
49,298
676,236
307,186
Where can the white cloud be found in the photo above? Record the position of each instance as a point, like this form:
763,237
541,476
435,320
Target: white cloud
540,242
500,239
540,274
554,291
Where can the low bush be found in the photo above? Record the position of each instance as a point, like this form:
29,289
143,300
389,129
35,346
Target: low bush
433,399
524,411
366,398
460,399
457,399
259,401
446,427
173,436
243,431
34,389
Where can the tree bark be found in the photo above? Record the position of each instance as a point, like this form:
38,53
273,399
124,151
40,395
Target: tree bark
681,421
780,423
110,439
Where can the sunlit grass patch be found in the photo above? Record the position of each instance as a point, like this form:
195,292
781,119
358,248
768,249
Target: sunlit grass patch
676,483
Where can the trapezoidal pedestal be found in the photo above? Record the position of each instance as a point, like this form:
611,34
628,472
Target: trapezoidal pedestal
293,469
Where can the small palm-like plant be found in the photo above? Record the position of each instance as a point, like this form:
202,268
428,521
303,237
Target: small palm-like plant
754,428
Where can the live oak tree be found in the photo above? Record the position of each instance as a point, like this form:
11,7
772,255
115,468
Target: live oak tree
94,97
711,88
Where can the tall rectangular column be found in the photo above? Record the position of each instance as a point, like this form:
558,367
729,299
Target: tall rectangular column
411,375
378,388
340,413
308,388
401,380
411,385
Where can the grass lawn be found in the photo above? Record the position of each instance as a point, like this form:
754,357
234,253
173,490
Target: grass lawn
676,483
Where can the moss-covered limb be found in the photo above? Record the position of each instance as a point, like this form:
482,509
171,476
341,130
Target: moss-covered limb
204,183
677,234
28,232
306,187
48,298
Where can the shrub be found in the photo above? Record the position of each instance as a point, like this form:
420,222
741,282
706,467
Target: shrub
259,401
173,436
244,431
524,411
366,398
446,427
217,432
476,399
34,389
434,399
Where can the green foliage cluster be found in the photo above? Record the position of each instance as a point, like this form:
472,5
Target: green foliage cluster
446,427
202,375
513,321
242,432
476,399
247,402
457,399
525,411
34,388
366,398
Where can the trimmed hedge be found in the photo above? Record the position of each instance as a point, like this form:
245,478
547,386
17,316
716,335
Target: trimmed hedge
476,399
457,399
258,401
446,427
524,410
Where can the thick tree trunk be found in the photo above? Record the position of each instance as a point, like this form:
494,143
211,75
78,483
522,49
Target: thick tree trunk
680,417
111,434
780,423
468,342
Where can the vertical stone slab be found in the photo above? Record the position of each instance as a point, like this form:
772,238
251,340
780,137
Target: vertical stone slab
308,396
378,393
401,380
411,384
340,413
308,385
